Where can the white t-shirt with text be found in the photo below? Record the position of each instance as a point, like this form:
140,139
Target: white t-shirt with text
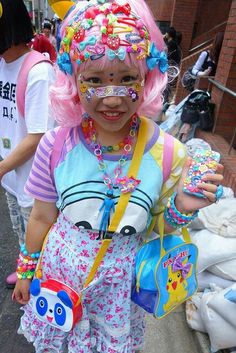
13,127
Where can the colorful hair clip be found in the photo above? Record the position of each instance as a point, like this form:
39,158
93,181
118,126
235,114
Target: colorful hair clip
64,63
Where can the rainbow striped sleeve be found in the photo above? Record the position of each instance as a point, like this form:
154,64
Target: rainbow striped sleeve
40,184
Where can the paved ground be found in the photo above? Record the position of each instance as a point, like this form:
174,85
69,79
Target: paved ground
169,335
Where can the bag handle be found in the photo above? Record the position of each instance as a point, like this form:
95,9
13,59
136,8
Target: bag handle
161,225
120,208
123,199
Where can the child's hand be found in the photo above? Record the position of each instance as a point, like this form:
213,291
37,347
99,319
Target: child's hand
186,203
21,292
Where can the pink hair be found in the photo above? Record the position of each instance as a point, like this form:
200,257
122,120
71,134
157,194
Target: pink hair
66,106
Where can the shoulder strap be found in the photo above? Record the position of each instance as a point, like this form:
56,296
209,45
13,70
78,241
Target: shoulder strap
123,199
60,139
167,160
168,152
33,58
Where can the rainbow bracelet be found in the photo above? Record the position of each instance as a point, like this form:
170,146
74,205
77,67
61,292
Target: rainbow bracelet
174,218
26,263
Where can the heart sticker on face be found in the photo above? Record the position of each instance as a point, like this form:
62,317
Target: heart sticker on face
113,42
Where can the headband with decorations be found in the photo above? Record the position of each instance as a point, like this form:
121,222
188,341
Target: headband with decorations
121,32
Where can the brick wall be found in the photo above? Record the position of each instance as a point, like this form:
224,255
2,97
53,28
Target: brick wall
210,13
226,75
162,9
183,18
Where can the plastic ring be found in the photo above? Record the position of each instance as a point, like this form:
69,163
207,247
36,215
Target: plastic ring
97,152
127,148
219,192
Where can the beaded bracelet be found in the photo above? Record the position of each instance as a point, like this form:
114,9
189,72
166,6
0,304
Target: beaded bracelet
174,218
26,263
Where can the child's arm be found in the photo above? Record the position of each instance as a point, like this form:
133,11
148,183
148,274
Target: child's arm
43,215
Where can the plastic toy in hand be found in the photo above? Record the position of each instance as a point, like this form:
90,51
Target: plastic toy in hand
203,162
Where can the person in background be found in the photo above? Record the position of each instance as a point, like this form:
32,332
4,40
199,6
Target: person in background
173,50
42,44
20,135
207,61
47,31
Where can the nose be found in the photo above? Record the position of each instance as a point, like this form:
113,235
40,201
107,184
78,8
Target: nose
112,102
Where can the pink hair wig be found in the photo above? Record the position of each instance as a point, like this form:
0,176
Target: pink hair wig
65,103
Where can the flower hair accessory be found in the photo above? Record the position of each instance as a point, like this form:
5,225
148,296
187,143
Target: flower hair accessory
158,59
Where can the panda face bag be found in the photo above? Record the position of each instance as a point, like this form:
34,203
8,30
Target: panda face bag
55,303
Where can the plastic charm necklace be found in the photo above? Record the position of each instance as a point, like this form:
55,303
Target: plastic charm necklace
124,183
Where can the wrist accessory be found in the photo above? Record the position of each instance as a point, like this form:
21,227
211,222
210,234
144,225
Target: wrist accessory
26,263
54,302
219,192
175,218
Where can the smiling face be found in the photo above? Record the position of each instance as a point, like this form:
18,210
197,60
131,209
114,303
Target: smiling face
113,109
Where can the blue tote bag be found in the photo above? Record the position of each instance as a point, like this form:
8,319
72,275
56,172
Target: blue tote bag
165,272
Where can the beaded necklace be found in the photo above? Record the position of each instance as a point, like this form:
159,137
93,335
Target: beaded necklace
125,184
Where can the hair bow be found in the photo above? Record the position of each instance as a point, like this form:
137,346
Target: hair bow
179,266
120,54
91,41
64,63
157,58
116,8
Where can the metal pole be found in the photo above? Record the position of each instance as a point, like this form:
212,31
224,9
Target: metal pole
39,19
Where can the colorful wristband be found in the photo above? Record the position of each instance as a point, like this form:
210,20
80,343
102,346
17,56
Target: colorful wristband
26,263
174,218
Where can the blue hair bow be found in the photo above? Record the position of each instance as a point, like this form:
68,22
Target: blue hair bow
157,58
120,54
64,63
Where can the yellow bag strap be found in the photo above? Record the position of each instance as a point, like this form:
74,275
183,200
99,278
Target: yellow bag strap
120,208
123,199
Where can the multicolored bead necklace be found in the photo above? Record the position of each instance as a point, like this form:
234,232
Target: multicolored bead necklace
125,184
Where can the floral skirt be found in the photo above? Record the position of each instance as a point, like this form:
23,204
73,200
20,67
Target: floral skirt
111,323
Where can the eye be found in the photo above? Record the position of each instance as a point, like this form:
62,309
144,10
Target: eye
129,79
93,80
60,314
178,275
170,280
42,306
83,225
128,230
59,311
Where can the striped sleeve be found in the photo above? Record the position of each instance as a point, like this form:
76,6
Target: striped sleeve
40,184
179,159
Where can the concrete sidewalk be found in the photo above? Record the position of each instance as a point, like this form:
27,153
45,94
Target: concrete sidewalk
168,335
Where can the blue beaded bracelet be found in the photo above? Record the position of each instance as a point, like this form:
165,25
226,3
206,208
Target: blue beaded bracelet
25,252
174,218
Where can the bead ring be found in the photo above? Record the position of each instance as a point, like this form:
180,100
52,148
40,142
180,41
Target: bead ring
219,193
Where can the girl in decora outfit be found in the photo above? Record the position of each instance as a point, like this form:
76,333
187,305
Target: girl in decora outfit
111,72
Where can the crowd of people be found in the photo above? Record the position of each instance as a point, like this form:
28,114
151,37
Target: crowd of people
64,184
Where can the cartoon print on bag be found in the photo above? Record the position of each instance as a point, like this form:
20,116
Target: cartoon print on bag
176,286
